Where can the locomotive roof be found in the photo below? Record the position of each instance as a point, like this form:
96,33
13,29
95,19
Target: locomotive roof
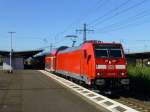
69,49
99,42
54,51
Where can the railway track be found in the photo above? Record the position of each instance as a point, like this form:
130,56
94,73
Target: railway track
131,102
141,106
135,104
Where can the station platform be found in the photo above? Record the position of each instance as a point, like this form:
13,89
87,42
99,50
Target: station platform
32,91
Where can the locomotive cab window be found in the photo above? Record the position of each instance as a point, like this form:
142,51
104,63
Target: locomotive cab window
108,51
101,53
117,53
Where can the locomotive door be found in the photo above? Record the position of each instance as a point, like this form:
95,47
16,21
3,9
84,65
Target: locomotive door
82,64
83,69
86,63
89,64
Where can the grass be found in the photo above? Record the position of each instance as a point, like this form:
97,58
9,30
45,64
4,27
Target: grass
140,78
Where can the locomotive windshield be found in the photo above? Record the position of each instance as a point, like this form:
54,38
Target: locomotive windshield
108,51
101,53
115,53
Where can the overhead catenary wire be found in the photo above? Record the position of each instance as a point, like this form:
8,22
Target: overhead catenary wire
126,21
98,4
129,25
116,12
133,24
109,12
120,12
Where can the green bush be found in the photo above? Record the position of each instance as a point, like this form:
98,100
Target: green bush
140,77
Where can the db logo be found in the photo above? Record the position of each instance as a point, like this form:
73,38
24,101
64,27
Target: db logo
110,67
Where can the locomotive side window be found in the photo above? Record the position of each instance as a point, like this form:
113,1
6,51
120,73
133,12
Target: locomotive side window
85,54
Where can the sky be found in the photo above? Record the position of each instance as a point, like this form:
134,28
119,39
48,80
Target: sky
38,23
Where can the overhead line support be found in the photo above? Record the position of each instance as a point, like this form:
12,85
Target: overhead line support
84,30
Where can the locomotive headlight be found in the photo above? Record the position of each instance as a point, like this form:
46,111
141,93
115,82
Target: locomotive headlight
99,74
122,74
120,67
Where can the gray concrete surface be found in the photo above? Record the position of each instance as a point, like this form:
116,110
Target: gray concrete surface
31,91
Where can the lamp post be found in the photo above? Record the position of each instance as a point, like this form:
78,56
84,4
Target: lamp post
11,33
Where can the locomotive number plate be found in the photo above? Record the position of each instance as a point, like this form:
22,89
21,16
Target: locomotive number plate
110,74
111,67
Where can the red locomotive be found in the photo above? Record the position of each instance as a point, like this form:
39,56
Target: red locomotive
93,62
